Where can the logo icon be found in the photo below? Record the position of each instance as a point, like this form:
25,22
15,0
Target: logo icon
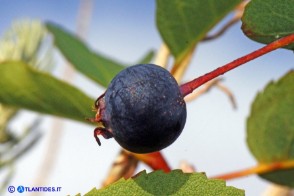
11,189
20,189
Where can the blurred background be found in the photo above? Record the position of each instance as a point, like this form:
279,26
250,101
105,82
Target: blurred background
214,138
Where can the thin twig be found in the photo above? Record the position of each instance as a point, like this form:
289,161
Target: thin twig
228,93
200,91
186,167
238,14
222,30
206,88
278,190
162,56
5,183
180,67
259,169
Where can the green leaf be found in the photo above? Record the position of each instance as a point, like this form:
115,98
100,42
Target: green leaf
93,65
183,23
173,183
266,21
270,127
24,87
147,58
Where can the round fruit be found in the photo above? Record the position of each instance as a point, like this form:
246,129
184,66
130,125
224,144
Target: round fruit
143,109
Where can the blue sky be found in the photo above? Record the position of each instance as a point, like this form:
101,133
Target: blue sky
214,139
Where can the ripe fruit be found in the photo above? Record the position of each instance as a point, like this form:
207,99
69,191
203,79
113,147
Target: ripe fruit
143,109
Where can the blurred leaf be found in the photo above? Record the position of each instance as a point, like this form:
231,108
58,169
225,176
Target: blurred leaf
7,180
173,183
6,114
266,21
270,127
282,177
183,23
147,58
21,86
25,40
95,66
20,145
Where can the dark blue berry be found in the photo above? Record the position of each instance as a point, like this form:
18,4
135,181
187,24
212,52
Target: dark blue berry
143,109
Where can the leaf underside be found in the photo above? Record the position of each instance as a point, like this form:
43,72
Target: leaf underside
270,127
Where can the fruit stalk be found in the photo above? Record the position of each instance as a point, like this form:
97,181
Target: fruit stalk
189,87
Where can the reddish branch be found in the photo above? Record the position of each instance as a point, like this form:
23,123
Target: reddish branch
154,160
189,87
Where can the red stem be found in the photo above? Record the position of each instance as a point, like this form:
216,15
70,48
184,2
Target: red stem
154,160
189,87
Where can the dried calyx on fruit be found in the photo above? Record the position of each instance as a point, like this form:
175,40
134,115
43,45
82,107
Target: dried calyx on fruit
142,109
